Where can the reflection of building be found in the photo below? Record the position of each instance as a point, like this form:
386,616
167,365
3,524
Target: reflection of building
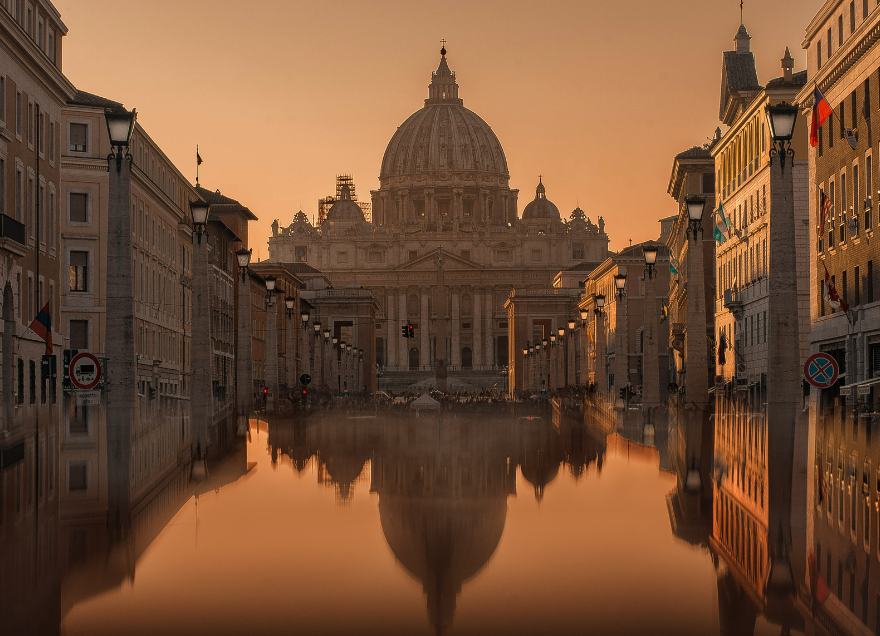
442,482
444,183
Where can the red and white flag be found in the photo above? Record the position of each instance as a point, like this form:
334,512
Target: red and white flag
826,206
831,296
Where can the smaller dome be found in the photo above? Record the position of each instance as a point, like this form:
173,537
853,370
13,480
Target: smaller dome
541,207
345,210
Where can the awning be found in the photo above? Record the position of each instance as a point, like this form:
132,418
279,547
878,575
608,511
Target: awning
859,388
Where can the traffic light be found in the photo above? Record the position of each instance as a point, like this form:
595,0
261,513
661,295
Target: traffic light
404,331
411,331
623,393
305,395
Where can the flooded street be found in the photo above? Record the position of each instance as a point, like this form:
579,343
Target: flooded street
489,522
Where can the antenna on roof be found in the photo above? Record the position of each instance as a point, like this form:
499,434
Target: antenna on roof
741,12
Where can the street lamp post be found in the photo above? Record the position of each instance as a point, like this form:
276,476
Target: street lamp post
271,344
119,344
570,373
650,362
583,366
697,352
784,394
621,337
599,311
244,361
201,398
552,366
545,363
324,374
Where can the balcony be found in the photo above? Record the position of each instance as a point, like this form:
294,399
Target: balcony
12,238
676,336
733,303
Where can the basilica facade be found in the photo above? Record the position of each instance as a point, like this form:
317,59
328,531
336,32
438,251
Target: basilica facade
446,244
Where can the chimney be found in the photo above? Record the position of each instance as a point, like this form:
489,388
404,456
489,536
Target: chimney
787,66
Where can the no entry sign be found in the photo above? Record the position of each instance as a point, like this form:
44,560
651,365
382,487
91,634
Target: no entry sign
821,370
85,371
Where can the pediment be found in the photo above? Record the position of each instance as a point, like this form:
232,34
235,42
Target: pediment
428,262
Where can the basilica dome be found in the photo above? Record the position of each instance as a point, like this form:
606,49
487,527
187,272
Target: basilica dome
443,136
541,207
345,210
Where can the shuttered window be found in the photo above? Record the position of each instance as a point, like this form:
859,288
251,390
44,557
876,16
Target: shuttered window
79,334
78,135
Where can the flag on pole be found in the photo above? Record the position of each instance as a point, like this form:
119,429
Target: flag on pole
722,225
821,111
673,264
590,334
722,350
42,326
198,157
664,312
826,207
831,296
818,586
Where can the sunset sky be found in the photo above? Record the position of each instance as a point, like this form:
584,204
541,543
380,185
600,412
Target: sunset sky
281,96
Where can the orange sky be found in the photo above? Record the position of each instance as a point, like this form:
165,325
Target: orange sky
281,95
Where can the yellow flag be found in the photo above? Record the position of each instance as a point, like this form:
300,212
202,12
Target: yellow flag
590,334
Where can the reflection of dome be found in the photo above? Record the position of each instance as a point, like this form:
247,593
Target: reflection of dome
344,469
539,469
345,210
443,135
541,207
443,542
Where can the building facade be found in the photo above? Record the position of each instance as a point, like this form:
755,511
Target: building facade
843,58
742,166
444,189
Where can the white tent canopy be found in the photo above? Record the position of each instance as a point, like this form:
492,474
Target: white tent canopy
425,401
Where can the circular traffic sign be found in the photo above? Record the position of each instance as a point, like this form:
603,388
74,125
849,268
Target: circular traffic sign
85,371
740,368
305,378
566,391
325,388
821,370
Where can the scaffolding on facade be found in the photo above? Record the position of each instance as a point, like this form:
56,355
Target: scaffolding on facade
327,202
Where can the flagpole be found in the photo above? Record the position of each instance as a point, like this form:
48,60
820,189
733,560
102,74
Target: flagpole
197,164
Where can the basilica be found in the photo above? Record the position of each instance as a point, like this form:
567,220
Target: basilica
445,244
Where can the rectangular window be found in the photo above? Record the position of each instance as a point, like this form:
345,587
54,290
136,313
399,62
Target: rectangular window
821,142
869,188
852,16
51,141
855,206
577,251
41,131
78,136
828,34
79,334
857,290
844,197
30,124
2,98
869,282
819,53
536,256
840,30
864,9
79,269
19,113
20,387
77,477
844,296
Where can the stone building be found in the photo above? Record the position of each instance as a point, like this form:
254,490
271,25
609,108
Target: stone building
443,191
162,271
843,58
743,190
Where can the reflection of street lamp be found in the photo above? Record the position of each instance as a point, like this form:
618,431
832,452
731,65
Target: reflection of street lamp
304,318
317,326
289,302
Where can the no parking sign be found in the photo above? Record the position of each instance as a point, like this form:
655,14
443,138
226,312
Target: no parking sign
821,370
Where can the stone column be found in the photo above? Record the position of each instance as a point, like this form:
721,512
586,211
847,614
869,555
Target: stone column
244,359
784,393
425,360
455,326
476,304
621,346
393,324
295,365
696,353
650,360
490,327
119,343
403,355
271,354
8,353
600,379
201,398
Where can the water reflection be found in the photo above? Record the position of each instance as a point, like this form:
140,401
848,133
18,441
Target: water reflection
440,493
443,481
